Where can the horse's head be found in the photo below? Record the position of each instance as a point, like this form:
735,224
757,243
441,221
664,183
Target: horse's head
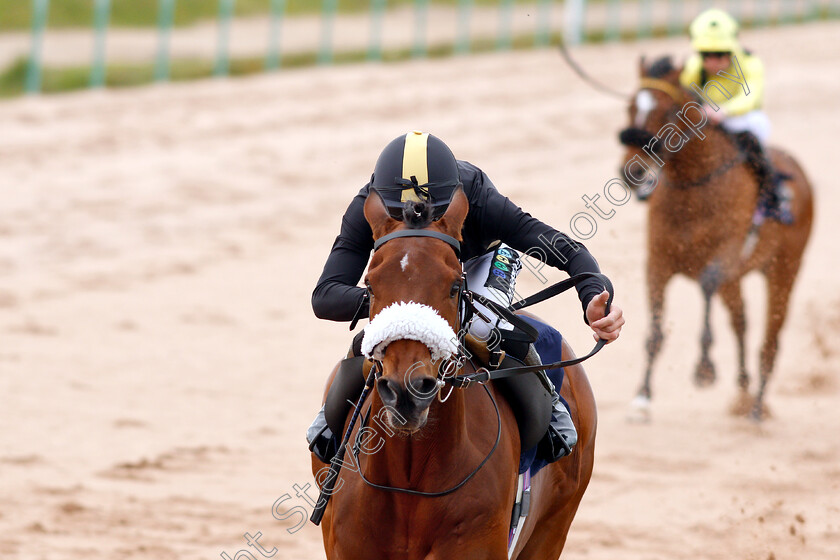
414,285
654,132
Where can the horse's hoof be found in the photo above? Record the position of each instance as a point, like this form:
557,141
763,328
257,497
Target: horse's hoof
639,410
759,412
704,375
746,406
742,405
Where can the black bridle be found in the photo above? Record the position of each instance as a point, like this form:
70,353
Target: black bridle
640,137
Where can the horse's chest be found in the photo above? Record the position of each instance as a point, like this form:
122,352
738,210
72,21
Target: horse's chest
424,531
685,238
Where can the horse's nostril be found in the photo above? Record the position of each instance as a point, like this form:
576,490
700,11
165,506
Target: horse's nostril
635,176
424,388
386,391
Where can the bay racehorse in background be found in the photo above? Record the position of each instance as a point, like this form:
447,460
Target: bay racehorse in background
467,444
700,219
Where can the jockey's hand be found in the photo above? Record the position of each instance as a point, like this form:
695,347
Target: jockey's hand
607,327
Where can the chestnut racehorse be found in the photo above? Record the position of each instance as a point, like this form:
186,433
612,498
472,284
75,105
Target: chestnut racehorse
700,219
425,445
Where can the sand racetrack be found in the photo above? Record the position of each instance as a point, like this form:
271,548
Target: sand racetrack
159,360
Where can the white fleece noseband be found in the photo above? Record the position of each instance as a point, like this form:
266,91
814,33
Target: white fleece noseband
413,321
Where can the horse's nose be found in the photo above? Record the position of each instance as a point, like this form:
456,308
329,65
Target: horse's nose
635,176
416,391
388,391
423,387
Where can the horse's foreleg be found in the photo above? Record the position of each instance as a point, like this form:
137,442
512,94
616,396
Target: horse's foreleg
731,295
780,279
640,407
710,278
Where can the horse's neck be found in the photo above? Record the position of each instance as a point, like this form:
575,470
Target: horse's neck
699,158
405,461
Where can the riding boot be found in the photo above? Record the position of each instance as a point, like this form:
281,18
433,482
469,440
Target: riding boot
773,194
322,442
562,435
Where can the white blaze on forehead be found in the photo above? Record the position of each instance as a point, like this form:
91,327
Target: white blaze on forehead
644,105
404,262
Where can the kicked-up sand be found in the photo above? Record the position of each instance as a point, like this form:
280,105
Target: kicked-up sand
160,362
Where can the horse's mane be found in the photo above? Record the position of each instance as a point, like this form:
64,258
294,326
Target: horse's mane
417,214
661,67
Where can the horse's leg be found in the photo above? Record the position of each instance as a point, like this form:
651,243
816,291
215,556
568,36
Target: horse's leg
640,407
558,489
730,293
780,277
704,375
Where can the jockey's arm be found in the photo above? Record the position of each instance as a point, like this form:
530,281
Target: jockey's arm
502,219
752,71
337,295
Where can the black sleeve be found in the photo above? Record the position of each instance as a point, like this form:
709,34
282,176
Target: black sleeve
337,296
508,223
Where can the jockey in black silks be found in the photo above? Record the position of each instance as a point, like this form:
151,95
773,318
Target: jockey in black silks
494,234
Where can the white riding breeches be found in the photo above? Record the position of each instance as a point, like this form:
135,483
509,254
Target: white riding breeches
492,275
754,121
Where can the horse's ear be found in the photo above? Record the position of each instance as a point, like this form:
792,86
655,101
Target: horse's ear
674,75
377,215
642,67
453,219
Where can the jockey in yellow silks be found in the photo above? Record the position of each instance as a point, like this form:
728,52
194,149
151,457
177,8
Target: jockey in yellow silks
730,82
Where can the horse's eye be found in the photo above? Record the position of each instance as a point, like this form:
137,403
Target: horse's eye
456,287
369,289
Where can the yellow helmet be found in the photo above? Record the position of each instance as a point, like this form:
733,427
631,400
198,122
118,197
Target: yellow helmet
714,31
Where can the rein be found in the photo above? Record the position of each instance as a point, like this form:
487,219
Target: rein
713,174
356,446
328,487
484,375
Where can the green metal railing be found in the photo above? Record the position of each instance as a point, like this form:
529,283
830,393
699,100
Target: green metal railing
543,20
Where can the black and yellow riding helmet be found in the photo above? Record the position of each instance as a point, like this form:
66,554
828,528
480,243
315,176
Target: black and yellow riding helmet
416,167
